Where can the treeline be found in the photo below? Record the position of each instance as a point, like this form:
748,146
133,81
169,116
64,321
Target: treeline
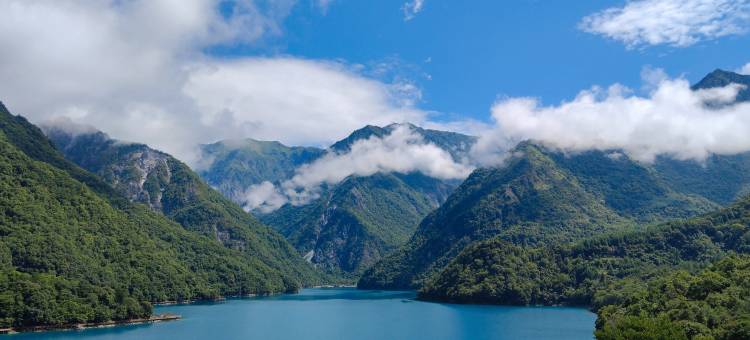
609,271
73,250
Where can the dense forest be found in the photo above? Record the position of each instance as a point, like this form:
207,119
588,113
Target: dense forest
538,197
72,249
168,186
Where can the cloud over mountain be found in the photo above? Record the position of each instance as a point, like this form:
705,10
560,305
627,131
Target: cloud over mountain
671,120
402,151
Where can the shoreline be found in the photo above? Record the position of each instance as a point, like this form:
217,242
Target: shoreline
88,325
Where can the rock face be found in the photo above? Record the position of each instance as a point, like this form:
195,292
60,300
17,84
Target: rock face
170,187
354,223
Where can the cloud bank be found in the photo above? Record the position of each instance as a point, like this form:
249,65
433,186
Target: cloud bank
744,69
138,68
677,23
672,120
402,151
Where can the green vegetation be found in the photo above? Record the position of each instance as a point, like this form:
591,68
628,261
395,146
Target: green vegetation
73,250
537,197
170,187
712,304
358,221
354,223
628,276
232,166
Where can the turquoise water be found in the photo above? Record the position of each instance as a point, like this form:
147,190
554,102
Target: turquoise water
344,313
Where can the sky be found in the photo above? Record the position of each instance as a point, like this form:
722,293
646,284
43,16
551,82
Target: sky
175,73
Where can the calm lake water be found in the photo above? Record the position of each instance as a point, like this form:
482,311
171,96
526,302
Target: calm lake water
346,313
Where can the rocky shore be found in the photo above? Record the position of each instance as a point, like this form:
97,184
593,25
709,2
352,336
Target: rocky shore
79,326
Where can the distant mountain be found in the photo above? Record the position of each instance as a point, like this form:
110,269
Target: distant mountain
354,223
235,165
73,249
721,78
458,145
168,186
538,197
359,220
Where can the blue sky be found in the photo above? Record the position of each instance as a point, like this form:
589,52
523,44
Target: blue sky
465,56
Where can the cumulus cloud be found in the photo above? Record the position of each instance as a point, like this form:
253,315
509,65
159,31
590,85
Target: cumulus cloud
672,120
402,151
138,68
677,23
412,8
744,69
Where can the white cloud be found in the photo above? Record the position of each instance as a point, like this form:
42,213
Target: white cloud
412,8
672,120
137,70
678,23
744,69
263,197
402,151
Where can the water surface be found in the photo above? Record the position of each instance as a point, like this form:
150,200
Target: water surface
346,313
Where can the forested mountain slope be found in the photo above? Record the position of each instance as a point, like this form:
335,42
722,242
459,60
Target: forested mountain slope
73,250
353,223
539,196
169,186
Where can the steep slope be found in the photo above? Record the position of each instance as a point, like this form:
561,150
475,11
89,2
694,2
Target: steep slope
235,165
538,197
72,250
168,186
721,78
354,223
573,273
358,221
631,278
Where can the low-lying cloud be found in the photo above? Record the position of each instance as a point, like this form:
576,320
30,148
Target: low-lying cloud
402,151
671,120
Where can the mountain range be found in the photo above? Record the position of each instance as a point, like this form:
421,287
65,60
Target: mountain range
96,229
353,223
76,248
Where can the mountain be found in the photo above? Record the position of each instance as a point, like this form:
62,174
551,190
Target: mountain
634,192
170,187
539,196
235,165
74,250
631,278
355,222
458,145
721,78
359,220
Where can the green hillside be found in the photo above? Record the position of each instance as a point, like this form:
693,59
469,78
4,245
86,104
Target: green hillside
617,274
358,221
168,186
538,197
72,250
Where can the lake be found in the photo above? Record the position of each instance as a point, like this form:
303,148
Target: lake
347,313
